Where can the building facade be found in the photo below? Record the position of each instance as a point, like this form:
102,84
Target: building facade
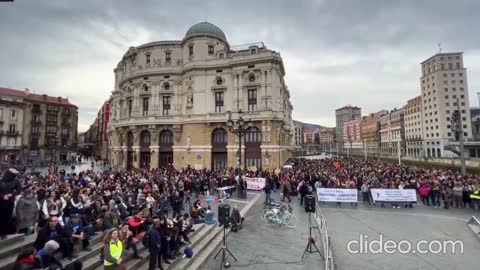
443,84
299,140
309,136
12,108
327,136
101,125
413,118
342,115
352,132
371,132
392,136
172,100
47,131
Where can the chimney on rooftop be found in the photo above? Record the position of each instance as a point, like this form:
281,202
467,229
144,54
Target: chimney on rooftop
27,91
44,97
59,99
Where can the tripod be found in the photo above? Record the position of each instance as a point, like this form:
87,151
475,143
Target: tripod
311,246
224,249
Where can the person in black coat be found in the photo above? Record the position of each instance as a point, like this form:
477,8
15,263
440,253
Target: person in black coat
176,204
9,188
155,245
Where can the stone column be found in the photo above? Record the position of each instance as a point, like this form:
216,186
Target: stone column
153,157
124,160
136,156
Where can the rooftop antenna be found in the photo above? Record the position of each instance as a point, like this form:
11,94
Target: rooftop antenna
439,47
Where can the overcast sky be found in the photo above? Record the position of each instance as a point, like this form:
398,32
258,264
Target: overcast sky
337,52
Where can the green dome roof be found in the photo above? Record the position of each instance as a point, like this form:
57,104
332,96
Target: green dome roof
206,28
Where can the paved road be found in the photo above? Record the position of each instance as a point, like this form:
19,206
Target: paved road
421,223
258,246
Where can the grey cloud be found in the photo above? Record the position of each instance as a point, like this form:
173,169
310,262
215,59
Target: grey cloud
336,52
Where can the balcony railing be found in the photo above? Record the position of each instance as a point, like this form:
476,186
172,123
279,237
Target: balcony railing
12,132
36,123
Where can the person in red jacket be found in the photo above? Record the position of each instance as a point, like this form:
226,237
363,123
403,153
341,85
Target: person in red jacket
136,223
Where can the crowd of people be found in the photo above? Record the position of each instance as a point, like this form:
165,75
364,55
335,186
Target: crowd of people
65,208
160,206
435,187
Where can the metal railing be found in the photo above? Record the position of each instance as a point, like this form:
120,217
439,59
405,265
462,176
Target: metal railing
325,238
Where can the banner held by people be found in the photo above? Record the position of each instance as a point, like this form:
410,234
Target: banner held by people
337,195
394,195
256,183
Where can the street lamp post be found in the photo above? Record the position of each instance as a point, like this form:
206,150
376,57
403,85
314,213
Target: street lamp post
239,127
458,128
365,147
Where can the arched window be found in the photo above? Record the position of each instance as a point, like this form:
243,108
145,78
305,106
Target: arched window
145,138
130,139
439,152
166,137
433,152
428,152
219,136
253,136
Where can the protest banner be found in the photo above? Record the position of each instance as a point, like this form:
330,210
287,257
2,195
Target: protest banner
337,195
394,195
256,183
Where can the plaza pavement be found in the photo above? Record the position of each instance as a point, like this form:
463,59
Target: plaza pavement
346,223
258,246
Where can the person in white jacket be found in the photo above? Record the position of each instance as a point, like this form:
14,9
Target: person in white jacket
54,206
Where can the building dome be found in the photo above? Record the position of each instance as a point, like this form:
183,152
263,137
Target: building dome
206,28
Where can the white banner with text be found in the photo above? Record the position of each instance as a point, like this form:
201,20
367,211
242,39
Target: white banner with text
256,183
337,195
394,195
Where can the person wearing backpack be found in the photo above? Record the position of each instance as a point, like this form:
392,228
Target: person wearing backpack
153,242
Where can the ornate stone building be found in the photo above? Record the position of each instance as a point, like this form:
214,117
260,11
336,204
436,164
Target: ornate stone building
172,100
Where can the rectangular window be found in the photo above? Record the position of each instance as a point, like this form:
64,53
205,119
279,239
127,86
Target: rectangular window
442,66
450,66
145,106
64,131
221,56
211,50
34,143
190,51
219,102
130,105
168,56
458,65
252,100
147,60
12,141
166,105
13,114
64,142
11,128
35,130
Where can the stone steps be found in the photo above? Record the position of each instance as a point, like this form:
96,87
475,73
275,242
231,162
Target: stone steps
8,255
203,244
210,244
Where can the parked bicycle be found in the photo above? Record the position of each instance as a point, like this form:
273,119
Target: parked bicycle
280,216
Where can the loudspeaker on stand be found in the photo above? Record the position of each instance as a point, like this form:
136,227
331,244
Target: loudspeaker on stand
224,214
